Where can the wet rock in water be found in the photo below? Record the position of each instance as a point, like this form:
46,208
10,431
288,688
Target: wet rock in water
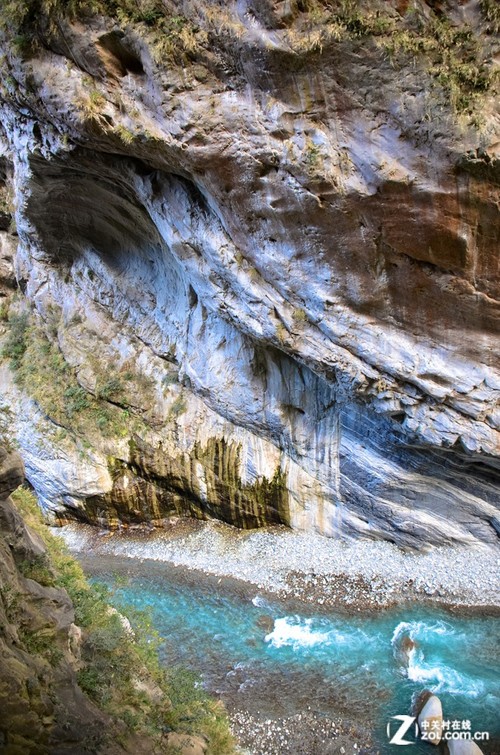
266,623
430,720
463,747
407,644
403,650
184,744
420,701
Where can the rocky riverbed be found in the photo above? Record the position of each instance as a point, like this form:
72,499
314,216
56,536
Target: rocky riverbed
301,734
350,574
308,575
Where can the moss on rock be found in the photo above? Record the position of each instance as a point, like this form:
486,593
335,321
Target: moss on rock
74,676
204,483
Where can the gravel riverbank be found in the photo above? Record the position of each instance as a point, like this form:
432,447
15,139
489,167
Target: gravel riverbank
352,575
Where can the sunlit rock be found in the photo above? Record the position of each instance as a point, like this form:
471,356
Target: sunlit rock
430,720
463,747
276,265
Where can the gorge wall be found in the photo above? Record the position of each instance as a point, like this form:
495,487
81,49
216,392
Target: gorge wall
75,675
258,245
43,709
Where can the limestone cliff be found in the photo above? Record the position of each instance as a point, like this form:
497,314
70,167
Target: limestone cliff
262,237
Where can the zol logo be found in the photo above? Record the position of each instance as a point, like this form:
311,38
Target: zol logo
404,727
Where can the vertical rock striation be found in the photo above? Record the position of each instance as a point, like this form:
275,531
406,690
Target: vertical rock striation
269,246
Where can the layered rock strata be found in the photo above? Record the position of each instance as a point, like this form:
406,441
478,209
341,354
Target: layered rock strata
285,256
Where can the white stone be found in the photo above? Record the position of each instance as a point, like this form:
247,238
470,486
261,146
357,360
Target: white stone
430,720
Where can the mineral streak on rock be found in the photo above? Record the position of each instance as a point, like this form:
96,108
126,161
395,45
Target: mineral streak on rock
290,239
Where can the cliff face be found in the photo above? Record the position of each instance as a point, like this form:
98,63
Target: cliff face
264,238
75,677
43,709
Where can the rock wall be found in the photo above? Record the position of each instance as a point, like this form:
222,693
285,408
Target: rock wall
283,251
43,709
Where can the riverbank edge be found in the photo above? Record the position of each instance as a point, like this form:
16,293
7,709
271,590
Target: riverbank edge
349,575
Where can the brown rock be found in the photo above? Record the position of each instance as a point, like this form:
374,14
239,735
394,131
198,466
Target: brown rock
185,744
266,623
11,472
407,644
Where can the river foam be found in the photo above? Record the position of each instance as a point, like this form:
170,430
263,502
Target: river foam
296,632
409,641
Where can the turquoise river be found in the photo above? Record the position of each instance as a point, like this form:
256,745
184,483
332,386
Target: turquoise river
274,659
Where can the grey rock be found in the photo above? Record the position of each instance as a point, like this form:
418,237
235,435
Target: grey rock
463,747
313,290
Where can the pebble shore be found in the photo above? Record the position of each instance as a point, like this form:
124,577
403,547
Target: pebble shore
302,734
349,574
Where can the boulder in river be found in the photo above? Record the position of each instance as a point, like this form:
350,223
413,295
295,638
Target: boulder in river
430,720
266,623
403,650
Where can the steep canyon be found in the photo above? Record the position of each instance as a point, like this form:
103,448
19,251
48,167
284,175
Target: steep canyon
257,255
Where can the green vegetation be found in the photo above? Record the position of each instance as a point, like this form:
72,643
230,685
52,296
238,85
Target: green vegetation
40,643
312,156
282,333
96,98
491,12
124,134
323,22
299,315
16,342
110,389
452,54
6,199
120,667
189,711
172,35
41,370
4,309
6,419
178,407
92,103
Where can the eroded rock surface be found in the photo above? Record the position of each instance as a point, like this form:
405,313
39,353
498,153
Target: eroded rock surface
43,709
286,255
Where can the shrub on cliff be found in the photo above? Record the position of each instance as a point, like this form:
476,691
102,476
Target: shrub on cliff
16,343
452,53
30,22
40,369
120,670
